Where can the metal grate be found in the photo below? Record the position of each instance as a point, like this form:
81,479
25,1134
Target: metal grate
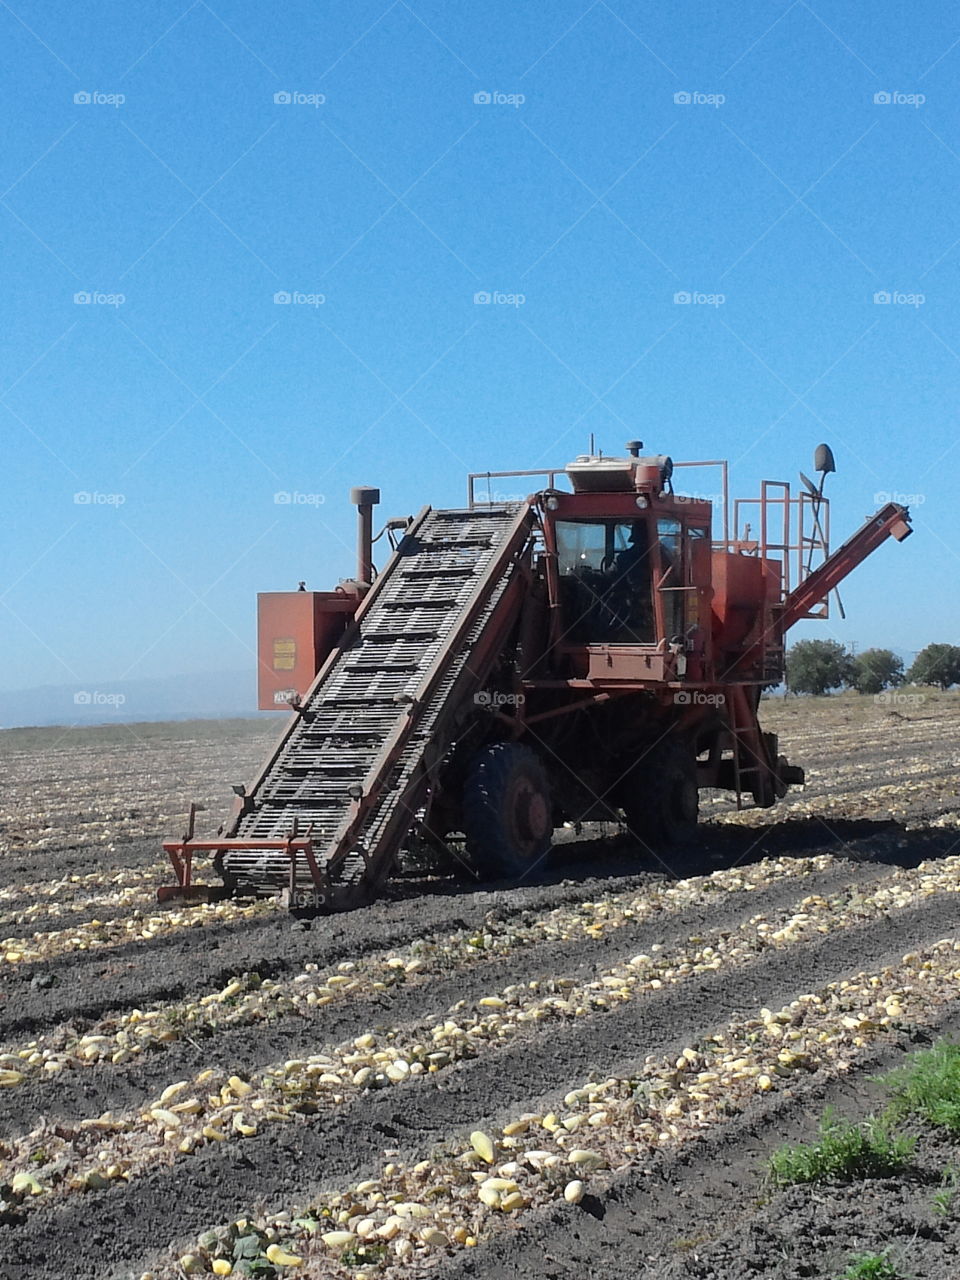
370,694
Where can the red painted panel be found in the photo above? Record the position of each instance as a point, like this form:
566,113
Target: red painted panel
296,630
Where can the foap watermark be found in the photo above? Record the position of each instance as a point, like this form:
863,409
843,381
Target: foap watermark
687,298
94,298
693,98
894,298
894,98
495,98
494,899
294,498
494,699
283,298
883,496
494,298
496,499
88,698
94,98
294,98
87,499
715,498
891,698
699,698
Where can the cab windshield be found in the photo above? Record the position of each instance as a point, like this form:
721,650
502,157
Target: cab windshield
606,581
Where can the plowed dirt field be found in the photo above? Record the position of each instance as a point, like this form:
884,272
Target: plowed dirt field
583,1074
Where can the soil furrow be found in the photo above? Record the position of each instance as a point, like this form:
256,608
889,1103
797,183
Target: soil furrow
104,1087
650,1219
77,859
282,1165
130,975
879,796
90,984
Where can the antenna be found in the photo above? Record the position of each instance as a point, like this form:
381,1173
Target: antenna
824,464
592,445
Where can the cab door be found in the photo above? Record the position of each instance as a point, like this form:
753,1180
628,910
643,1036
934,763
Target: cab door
684,590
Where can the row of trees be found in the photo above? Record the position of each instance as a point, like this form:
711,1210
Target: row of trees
817,666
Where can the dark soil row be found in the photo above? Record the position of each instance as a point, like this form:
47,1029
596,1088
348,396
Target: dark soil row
29,865
283,1165
708,1212
91,984
88,985
93,1090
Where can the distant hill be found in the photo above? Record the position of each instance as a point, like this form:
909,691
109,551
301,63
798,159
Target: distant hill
214,695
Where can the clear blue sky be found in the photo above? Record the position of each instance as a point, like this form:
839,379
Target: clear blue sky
598,198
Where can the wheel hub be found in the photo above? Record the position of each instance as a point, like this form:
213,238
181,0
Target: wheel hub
531,813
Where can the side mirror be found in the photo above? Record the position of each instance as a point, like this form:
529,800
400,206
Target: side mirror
823,459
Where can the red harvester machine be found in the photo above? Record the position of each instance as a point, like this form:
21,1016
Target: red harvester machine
594,652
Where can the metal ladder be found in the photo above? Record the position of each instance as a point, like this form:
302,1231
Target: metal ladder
746,739
339,794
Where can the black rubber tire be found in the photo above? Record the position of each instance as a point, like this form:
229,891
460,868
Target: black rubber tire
661,804
507,810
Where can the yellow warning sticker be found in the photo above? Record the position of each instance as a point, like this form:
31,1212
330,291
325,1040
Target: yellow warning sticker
284,655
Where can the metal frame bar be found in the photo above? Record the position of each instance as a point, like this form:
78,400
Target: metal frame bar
474,503
797,533
551,474
724,487
181,854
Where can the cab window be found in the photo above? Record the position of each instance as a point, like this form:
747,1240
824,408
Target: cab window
606,581
669,536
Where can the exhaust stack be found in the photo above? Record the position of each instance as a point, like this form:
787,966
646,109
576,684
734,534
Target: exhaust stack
365,499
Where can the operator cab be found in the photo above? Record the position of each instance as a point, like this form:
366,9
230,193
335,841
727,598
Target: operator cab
630,561
606,581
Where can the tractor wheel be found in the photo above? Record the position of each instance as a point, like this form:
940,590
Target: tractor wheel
507,809
661,806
